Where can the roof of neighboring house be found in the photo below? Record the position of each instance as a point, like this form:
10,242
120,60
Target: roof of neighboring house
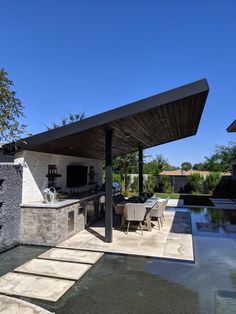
180,172
149,122
232,127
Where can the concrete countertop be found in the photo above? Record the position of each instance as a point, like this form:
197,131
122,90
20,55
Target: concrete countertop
63,202
59,204
88,195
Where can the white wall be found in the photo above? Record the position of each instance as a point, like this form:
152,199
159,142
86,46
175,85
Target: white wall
35,169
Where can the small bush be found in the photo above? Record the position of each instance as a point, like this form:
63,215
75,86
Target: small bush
135,185
195,183
213,179
164,185
226,188
150,183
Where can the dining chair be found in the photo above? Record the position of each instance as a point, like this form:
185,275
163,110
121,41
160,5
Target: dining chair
158,212
134,212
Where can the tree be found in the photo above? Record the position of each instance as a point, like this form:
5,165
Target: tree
219,161
11,109
157,165
199,166
186,166
125,164
71,118
213,179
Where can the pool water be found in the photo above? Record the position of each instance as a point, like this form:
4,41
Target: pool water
128,284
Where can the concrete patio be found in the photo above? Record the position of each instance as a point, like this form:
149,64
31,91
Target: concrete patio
173,240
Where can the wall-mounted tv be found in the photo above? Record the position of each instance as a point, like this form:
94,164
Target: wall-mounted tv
76,176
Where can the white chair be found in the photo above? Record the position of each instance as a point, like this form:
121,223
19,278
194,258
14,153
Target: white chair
134,212
158,212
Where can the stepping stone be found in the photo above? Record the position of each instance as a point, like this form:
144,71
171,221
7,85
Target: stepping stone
16,306
207,227
54,269
229,228
50,289
72,255
225,302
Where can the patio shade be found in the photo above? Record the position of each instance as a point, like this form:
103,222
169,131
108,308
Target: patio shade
232,127
149,122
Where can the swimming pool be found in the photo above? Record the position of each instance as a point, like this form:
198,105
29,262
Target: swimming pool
129,284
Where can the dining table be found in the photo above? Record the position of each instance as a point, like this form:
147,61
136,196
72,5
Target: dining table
149,204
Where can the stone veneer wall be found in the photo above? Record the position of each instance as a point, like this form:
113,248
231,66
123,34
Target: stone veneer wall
10,199
49,226
35,169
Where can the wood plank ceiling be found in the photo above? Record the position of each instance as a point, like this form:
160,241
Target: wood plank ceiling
155,126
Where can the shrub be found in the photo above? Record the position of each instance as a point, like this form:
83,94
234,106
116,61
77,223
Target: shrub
164,185
213,179
135,185
195,183
150,183
117,178
226,188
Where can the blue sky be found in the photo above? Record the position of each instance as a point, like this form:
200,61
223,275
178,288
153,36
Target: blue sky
92,56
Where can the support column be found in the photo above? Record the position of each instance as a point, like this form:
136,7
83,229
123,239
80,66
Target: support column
108,188
140,161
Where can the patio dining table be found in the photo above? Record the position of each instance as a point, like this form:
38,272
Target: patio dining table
149,204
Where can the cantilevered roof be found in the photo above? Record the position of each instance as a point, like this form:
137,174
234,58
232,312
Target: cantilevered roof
232,127
149,122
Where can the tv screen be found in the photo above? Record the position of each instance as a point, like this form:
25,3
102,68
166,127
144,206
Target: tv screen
76,176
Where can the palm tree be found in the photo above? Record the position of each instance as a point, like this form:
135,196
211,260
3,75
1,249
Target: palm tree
71,118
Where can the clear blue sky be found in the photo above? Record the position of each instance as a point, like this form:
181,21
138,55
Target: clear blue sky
91,56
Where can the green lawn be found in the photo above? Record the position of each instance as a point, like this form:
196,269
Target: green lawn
170,195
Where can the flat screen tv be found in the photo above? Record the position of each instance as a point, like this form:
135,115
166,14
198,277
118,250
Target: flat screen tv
76,176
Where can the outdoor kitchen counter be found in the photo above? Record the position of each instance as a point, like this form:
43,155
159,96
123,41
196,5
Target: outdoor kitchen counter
50,224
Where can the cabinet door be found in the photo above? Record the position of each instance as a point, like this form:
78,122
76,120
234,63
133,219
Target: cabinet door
96,209
89,209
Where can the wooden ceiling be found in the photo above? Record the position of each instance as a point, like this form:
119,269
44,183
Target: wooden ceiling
232,127
153,121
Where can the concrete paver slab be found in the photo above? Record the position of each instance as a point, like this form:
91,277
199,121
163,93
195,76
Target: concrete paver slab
9,305
50,289
54,268
72,255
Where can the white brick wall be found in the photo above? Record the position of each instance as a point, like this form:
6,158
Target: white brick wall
35,169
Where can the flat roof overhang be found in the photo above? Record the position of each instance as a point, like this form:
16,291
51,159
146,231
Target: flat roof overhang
149,122
232,127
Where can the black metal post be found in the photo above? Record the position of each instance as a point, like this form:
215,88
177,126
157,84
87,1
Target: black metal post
140,161
108,187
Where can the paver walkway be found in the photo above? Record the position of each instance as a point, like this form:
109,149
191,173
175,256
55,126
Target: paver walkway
49,276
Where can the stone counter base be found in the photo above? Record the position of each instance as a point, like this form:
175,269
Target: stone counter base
50,226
